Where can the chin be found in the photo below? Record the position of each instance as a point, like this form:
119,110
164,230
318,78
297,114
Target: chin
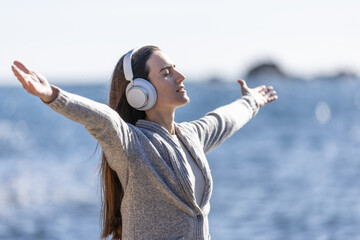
188,100
184,101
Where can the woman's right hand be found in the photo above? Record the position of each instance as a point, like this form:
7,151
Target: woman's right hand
34,83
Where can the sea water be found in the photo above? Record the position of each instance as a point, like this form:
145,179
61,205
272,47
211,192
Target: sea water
291,173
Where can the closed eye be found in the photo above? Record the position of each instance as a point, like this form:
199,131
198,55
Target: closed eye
167,67
166,73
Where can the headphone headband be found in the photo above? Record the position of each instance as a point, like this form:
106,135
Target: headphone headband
127,65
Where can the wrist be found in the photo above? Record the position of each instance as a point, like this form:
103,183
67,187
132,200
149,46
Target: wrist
254,105
50,98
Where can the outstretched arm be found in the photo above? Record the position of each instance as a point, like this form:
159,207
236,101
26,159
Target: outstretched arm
114,135
221,123
34,83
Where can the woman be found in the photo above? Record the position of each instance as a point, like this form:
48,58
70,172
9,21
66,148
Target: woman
155,176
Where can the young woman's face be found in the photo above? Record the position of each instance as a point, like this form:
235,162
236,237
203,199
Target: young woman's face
167,81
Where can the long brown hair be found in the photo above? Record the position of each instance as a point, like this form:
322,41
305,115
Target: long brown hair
112,190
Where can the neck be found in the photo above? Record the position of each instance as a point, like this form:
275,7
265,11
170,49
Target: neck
163,118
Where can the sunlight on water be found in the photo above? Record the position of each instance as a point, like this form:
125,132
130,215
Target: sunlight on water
21,129
322,113
357,98
355,134
9,107
5,130
331,151
13,137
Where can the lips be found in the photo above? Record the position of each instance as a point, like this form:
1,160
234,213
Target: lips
181,89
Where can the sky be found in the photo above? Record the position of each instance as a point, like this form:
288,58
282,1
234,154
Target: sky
81,40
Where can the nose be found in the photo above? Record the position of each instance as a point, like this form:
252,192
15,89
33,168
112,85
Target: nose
180,77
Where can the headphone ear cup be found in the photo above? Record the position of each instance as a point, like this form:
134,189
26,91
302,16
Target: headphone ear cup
141,95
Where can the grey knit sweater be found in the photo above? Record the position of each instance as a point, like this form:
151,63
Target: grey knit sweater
159,202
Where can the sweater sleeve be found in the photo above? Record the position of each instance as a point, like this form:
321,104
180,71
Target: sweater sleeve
218,125
102,122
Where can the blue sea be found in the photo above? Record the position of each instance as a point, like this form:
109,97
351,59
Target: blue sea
291,173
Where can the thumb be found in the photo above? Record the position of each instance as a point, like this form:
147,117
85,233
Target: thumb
244,87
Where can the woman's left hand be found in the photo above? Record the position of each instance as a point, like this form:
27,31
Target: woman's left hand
262,94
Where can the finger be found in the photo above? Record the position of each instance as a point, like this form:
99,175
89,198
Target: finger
273,98
40,78
18,73
268,89
25,79
31,88
270,94
260,88
22,67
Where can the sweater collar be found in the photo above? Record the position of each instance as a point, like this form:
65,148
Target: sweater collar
153,126
157,128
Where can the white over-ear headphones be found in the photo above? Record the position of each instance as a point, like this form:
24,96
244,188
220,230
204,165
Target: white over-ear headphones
140,93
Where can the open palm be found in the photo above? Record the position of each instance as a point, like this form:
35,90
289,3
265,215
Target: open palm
32,82
262,94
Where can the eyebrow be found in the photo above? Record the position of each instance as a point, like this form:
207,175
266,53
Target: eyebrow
167,67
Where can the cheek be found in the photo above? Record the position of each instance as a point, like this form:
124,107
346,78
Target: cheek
164,90
165,96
